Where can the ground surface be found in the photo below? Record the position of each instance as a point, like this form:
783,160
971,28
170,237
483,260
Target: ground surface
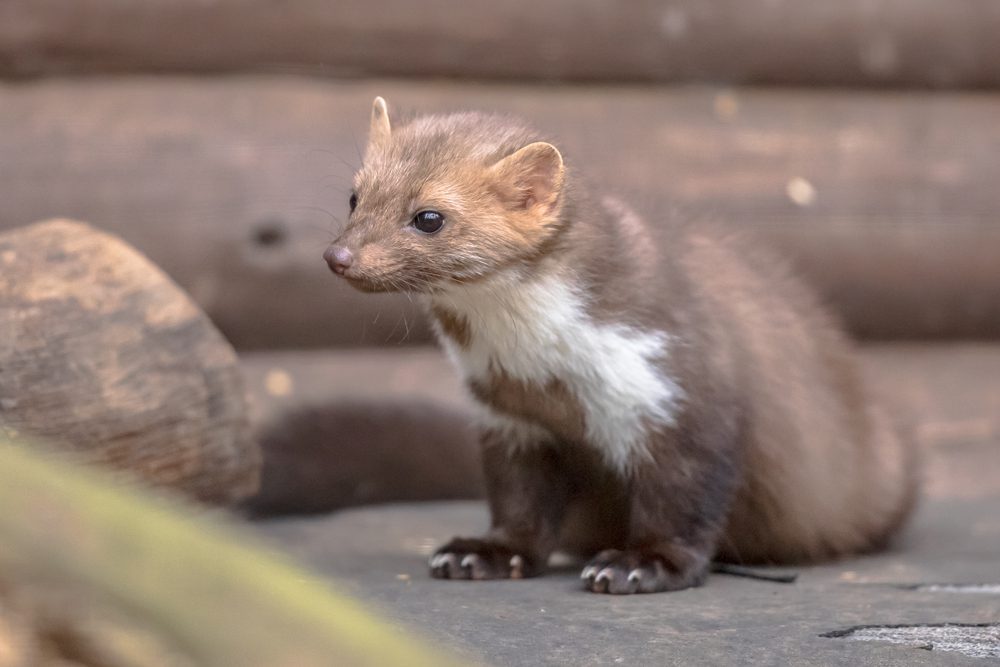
379,556
379,553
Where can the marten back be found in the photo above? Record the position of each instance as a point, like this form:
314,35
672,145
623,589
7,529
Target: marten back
826,472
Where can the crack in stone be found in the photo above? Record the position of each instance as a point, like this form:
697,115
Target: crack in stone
976,640
956,588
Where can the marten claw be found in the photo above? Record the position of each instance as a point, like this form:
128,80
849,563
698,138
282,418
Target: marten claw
624,573
516,566
478,559
610,579
444,565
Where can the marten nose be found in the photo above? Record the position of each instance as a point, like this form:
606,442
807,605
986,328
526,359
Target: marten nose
339,258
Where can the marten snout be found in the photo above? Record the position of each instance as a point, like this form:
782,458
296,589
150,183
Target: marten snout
339,258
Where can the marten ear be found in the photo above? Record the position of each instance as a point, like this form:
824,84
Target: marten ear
530,178
380,131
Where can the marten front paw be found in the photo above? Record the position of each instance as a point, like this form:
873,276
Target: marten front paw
479,559
626,572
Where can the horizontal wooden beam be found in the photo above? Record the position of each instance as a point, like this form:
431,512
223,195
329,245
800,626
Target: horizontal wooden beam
924,43
886,202
343,427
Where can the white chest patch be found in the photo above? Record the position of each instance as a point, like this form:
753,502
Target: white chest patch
538,331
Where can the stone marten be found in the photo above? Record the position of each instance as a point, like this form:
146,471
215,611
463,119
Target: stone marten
655,396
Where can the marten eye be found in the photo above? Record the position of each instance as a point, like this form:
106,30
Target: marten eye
353,201
428,222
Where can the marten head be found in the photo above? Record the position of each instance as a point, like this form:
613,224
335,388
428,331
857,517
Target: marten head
447,200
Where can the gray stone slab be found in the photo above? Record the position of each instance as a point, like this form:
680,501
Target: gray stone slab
378,554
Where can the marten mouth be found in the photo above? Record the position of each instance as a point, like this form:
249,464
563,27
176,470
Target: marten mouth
368,286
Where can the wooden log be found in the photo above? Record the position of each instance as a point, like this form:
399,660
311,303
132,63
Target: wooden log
923,43
92,573
102,355
887,202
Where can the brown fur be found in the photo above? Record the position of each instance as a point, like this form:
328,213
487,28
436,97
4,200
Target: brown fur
552,404
778,454
452,325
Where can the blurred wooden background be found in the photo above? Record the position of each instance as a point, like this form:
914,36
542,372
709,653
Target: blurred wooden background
219,138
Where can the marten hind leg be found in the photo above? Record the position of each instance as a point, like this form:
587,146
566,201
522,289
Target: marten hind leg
679,498
527,489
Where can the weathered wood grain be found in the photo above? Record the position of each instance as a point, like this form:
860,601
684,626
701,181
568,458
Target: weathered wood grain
102,355
887,202
924,43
